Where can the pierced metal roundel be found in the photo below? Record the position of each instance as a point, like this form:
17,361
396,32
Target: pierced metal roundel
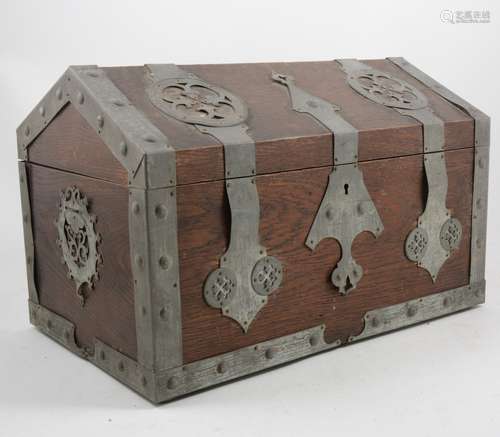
451,234
416,244
78,240
387,90
220,287
267,275
194,101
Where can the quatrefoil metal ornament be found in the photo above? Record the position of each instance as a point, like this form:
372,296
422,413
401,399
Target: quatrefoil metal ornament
78,240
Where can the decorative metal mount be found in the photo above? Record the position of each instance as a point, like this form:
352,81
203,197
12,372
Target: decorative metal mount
246,276
78,240
346,209
437,234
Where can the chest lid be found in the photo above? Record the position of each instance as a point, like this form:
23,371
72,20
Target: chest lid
189,106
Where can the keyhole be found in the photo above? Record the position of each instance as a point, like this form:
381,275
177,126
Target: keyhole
346,189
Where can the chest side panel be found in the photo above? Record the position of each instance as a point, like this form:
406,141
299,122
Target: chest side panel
108,310
288,204
70,143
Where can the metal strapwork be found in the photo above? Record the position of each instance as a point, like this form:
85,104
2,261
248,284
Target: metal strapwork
437,234
347,208
246,276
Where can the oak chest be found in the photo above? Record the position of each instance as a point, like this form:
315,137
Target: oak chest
188,225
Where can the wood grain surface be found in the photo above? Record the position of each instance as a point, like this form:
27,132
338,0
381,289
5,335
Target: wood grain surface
288,205
108,313
285,140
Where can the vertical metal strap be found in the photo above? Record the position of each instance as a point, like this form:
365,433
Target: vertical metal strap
436,234
481,165
240,287
346,209
155,265
29,245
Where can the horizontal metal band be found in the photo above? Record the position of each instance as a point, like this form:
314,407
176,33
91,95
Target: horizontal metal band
56,327
418,310
198,375
202,374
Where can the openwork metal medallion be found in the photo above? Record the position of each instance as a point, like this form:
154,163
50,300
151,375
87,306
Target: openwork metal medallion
267,275
387,90
451,234
78,240
194,101
220,287
416,244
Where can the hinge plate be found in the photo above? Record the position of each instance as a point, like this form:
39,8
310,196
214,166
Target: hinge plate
347,208
437,234
246,276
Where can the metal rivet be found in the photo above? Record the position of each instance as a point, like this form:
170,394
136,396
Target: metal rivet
163,313
480,163
139,261
27,131
136,208
59,93
80,98
100,121
411,311
163,261
160,211
102,356
329,214
361,209
313,340
123,148
173,382
446,301
270,353
375,322
221,367
41,110
49,324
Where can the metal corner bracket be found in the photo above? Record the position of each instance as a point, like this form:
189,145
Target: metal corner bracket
241,285
347,208
137,144
437,234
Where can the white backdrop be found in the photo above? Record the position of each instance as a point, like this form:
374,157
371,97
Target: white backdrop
436,379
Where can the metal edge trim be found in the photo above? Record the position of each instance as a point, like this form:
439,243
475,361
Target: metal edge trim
41,116
123,128
29,245
418,310
118,365
198,375
155,266
222,368
481,165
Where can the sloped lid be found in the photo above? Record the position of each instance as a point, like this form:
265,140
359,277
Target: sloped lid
285,139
